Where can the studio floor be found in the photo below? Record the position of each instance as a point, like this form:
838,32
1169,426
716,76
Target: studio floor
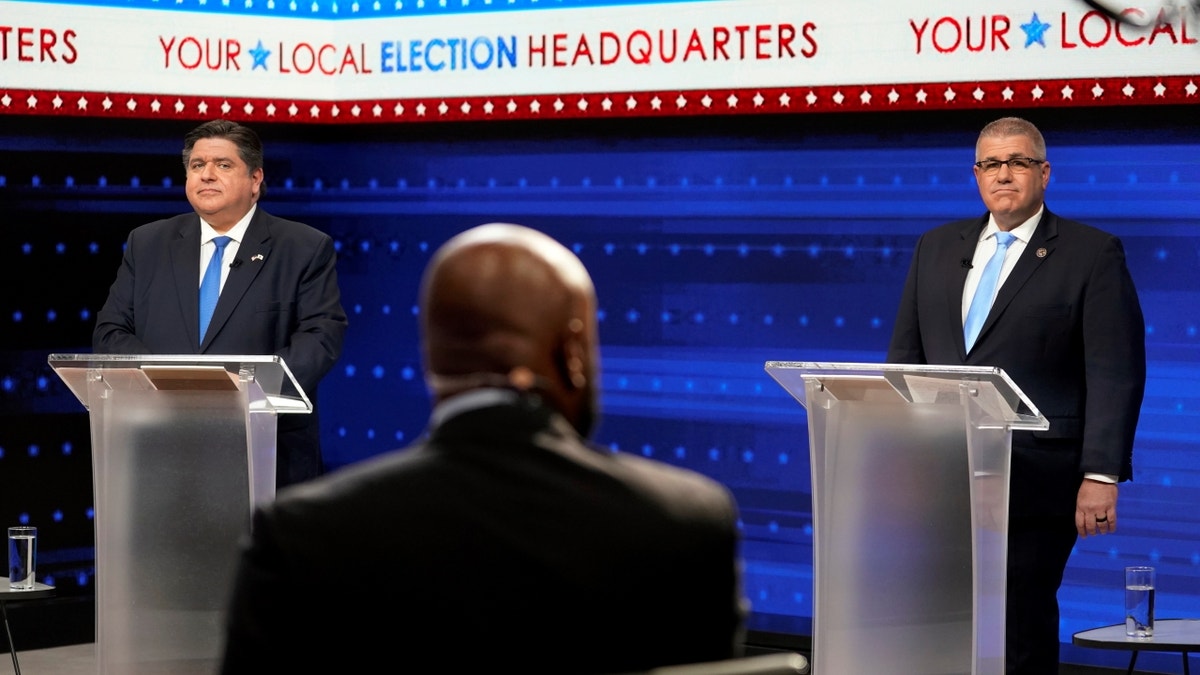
80,659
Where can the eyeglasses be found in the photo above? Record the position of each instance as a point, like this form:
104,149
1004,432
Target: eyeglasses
991,167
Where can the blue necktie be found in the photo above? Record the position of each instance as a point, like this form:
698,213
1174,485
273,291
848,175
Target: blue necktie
210,288
981,304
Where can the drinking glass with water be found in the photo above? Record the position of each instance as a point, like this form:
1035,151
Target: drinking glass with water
1139,602
22,556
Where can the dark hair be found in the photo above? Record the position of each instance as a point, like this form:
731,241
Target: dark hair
249,146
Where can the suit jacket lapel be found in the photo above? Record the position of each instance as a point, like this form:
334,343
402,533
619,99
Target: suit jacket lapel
252,255
1038,250
183,256
956,278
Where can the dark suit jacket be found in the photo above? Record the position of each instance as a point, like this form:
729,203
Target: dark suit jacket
502,543
1066,326
281,298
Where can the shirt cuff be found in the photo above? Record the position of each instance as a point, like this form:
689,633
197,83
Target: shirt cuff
1100,477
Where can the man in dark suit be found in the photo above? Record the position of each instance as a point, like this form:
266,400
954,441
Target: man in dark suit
279,293
503,540
1067,326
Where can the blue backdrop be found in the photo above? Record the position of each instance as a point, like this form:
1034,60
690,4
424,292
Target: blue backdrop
715,244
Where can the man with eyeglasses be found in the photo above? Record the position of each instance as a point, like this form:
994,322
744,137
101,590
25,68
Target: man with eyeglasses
1066,324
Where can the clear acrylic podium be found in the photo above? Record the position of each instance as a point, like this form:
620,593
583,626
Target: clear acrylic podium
183,447
910,513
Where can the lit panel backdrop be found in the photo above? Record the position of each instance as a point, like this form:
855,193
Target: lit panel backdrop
713,251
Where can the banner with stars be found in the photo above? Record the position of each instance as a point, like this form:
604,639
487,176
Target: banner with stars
328,61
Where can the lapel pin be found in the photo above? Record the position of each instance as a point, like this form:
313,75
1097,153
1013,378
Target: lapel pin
258,256
1041,253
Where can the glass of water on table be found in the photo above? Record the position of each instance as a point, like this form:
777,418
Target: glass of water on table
1139,602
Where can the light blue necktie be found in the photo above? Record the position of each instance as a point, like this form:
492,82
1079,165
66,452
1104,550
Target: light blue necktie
981,304
210,288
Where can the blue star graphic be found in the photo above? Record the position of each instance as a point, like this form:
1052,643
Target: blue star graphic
260,55
1035,31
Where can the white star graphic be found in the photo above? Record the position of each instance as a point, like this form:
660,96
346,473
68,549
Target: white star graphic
606,104
335,111
731,101
271,109
811,98
1067,92
314,111
443,108
377,110
758,100
1128,89
248,108
178,105
950,95
293,110
893,96
785,100
558,105
489,107
1008,93
420,110
82,103
582,105
225,107
57,102
465,107
398,109
131,104
1190,88
630,103
680,102
356,111
1097,91
156,106
838,98
512,106
106,103
1159,90
978,93
656,103
921,96
865,97
535,106
1037,92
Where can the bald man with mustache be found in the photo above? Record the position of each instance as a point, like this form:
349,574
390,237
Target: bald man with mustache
503,537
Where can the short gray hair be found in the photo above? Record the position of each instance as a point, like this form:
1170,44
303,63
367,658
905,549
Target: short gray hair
1013,126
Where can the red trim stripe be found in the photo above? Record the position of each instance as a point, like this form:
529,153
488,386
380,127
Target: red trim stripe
1105,91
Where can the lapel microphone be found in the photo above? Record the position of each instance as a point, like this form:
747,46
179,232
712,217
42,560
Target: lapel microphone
965,262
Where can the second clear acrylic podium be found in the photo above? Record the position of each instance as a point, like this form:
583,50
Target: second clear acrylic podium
910,469
183,447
